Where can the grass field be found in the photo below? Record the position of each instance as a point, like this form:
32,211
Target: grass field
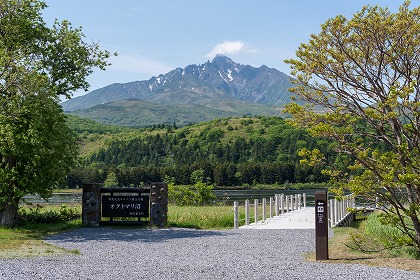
206,217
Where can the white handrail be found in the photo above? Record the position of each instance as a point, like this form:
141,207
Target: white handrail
281,203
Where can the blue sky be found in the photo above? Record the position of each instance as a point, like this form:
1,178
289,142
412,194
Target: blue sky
155,36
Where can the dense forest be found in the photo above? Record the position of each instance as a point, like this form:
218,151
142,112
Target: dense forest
231,152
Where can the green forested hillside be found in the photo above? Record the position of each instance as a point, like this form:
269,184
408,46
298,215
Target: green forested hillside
230,151
140,113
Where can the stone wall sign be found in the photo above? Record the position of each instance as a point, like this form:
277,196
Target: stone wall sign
148,202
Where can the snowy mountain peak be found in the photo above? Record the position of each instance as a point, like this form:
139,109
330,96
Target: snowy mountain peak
221,76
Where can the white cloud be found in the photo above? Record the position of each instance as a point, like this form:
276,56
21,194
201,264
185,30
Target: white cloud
228,48
136,64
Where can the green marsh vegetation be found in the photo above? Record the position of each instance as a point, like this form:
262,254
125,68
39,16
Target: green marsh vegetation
370,242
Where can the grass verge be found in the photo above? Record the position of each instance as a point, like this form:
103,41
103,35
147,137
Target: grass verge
27,241
341,247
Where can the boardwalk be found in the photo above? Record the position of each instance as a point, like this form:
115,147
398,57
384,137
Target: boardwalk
303,218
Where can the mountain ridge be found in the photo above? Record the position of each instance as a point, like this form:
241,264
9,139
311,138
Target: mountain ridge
196,84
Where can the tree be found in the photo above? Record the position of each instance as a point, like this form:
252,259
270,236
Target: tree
197,176
111,180
38,64
365,73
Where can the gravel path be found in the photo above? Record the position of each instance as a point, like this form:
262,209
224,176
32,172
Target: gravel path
109,253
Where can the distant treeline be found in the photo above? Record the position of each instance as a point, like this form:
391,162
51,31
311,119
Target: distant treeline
231,152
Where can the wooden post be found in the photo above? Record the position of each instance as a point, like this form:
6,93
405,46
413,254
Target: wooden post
235,215
247,212
304,200
91,205
296,202
321,225
277,204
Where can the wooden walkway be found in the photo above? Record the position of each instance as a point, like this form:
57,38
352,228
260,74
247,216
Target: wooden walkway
303,218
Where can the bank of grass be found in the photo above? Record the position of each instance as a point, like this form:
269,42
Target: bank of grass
200,217
27,240
375,238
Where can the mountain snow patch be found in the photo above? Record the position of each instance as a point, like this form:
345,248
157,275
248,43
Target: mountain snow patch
230,75
222,77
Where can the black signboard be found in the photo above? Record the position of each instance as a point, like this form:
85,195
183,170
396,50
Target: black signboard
321,225
125,206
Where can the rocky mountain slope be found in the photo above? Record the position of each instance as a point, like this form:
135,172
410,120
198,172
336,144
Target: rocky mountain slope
203,84
217,89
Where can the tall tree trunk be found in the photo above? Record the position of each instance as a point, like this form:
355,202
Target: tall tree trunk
416,224
9,216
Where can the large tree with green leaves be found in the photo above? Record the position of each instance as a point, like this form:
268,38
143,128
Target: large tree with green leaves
365,72
38,65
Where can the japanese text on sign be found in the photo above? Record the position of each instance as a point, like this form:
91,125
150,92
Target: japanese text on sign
321,217
125,206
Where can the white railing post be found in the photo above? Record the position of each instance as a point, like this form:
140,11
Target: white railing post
291,203
271,207
332,215
235,215
282,203
336,210
339,208
256,211
287,204
277,204
264,212
296,202
247,212
304,200
328,213
299,201
346,206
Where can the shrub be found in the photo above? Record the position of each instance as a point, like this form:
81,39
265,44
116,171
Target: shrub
47,215
199,194
374,236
